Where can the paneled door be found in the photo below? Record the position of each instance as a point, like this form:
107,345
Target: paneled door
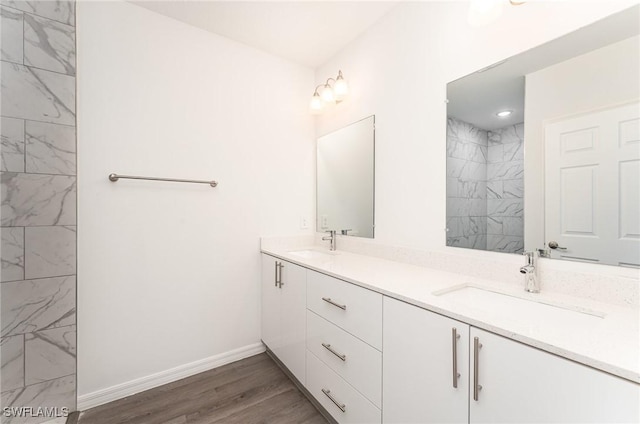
592,186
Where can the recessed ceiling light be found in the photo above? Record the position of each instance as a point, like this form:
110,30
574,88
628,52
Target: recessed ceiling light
504,113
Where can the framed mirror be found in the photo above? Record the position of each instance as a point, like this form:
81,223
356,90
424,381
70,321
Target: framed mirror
345,180
543,148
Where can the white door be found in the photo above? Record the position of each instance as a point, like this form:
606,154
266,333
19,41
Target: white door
521,384
418,366
592,186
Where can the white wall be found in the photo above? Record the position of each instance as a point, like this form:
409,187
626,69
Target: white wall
168,273
603,78
398,71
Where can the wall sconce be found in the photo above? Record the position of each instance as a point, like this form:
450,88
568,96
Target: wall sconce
483,12
329,94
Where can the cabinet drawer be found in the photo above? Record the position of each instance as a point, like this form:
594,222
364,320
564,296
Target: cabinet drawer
351,358
352,308
324,383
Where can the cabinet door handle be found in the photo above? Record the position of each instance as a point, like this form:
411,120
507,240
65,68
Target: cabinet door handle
276,277
342,406
330,349
328,300
279,266
454,349
476,353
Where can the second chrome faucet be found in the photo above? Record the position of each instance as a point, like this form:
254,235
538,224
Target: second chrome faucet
331,238
531,283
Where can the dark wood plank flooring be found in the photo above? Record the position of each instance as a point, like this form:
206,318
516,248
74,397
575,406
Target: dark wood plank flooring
250,391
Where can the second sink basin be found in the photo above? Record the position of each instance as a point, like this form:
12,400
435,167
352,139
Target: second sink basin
511,305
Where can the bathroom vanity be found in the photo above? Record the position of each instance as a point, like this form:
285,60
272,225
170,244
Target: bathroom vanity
373,340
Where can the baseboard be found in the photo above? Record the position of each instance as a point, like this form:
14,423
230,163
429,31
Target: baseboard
119,391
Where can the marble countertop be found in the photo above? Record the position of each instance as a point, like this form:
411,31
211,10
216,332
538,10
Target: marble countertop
609,342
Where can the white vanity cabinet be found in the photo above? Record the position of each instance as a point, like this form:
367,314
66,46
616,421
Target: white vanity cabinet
344,342
515,383
423,352
284,292
523,384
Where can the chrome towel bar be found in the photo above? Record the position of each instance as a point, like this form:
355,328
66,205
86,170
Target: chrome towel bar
116,177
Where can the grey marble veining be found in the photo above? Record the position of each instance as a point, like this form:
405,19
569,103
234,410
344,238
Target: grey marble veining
495,225
513,151
49,251
58,393
495,189
37,95
472,189
12,252
12,147
49,45
505,207
34,199
465,131
466,150
12,364
11,44
506,135
505,170
50,148
507,244
513,189
50,354
35,305
58,10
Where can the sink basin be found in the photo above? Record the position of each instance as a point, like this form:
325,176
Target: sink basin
312,254
511,305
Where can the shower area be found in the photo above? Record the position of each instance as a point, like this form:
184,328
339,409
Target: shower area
38,218
485,187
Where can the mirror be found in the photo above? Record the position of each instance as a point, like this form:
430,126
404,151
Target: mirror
345,180
560,169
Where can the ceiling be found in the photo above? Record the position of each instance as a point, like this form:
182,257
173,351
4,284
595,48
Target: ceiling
477,98
305,32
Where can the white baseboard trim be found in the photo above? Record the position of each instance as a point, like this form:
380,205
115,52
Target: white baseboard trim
119,391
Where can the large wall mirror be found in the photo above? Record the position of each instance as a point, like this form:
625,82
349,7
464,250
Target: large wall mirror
345,180
543,148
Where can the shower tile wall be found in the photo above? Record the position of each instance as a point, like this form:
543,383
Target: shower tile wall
485,187
467,149
505,190
38,217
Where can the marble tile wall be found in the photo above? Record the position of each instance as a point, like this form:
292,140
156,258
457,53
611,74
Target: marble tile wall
505,190
38,206
467,150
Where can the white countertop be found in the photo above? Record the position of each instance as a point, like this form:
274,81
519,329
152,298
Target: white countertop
610,343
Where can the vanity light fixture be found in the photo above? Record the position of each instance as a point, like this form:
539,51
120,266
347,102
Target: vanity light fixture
483,12
329,93
504,113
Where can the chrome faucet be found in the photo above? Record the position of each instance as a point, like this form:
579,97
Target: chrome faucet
531,283
332,238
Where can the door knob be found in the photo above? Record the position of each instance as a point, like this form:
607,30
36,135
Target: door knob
554,245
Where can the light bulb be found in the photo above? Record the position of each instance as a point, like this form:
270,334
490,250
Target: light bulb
504,113
340,88
316,104
327,94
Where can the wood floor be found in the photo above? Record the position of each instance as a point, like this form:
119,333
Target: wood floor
250,391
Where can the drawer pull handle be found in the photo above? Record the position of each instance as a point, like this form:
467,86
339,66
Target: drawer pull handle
330,349
476,353
342,406
454,349
328,300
